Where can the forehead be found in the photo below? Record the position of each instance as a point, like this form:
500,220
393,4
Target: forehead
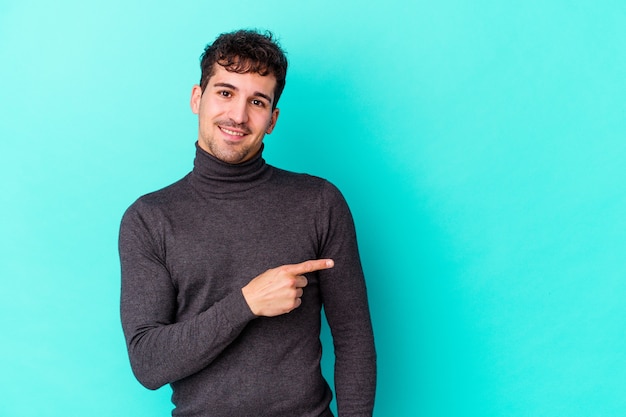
247,82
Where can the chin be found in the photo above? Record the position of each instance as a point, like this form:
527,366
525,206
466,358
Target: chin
232,157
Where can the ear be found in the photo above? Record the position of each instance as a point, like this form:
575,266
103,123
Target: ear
273,120
196,96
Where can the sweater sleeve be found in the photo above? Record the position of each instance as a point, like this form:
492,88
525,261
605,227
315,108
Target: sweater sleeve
162,350
345,304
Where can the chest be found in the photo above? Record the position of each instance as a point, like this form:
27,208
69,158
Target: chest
213,248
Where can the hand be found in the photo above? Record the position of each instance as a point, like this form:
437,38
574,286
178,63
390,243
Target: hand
278,291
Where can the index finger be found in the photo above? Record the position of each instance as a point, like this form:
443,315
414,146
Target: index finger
310,266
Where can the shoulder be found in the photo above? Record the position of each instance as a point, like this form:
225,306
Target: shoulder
327,193
304,181
150,204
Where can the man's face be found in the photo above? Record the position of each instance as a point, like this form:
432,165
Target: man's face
234,114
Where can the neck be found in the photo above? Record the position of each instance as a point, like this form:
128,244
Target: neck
211,175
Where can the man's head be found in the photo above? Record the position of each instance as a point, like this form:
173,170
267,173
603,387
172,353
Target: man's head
243,76
246,51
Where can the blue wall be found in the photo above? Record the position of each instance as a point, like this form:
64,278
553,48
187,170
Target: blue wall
481,146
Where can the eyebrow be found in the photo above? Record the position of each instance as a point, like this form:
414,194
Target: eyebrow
232,87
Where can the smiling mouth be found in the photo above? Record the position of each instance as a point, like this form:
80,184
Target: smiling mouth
232,132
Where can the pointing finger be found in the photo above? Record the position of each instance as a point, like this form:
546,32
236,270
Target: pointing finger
310,266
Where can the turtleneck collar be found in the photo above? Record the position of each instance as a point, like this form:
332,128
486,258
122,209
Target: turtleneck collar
211,175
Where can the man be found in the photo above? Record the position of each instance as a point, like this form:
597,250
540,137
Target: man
225,272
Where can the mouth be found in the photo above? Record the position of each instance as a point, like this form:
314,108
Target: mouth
233,132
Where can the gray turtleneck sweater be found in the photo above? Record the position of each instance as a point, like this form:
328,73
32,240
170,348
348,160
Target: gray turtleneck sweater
187,251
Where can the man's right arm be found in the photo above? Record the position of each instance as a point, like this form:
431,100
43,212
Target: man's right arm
160,349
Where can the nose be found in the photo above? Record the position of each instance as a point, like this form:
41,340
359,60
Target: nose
238,111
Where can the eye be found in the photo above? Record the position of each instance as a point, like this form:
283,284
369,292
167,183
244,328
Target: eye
258,103
224,93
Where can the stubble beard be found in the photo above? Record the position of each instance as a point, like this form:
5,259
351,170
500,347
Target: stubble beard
230,156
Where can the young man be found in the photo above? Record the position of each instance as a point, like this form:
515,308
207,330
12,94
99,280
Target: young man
225,272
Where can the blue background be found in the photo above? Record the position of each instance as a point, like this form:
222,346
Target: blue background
480,145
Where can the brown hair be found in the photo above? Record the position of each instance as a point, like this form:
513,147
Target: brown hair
246,51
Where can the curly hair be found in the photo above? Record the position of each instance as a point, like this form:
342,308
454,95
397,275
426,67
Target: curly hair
246,51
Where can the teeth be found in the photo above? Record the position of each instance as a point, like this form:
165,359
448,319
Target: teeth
230,132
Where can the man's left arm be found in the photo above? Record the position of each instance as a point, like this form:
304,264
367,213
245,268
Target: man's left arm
346,306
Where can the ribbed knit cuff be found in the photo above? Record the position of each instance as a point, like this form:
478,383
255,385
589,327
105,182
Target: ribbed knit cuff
236,310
